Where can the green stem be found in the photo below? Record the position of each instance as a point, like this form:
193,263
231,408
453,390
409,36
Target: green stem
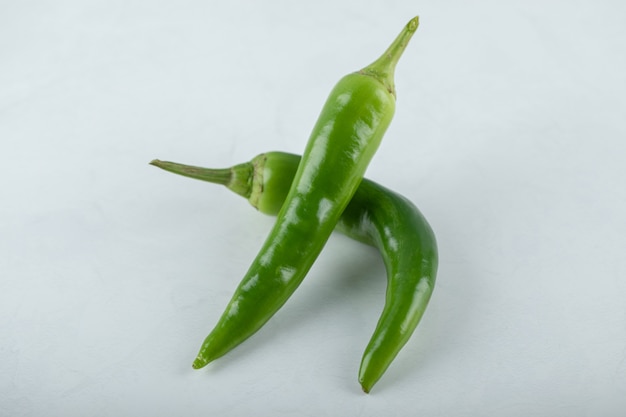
236,178
384,67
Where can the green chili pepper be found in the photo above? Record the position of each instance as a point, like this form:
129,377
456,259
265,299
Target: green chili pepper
375,216
344,139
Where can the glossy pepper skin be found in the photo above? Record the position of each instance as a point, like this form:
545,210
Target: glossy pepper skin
376,216
342,143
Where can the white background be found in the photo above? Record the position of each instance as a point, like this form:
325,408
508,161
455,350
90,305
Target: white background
510,135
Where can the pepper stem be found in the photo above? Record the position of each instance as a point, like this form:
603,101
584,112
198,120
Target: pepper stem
384,67
236,178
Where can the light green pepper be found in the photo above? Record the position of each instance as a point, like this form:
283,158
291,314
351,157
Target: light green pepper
344,140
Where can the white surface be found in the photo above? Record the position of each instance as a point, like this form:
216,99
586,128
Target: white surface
510,135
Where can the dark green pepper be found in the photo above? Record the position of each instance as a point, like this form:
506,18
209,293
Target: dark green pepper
344,140
376,216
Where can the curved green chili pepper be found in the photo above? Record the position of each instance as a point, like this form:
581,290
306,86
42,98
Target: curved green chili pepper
376,216
344,140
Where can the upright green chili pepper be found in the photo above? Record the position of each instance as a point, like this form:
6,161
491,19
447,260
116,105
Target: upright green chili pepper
375,216
344,139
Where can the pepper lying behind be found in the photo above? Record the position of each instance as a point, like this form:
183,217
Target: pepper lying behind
376,216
